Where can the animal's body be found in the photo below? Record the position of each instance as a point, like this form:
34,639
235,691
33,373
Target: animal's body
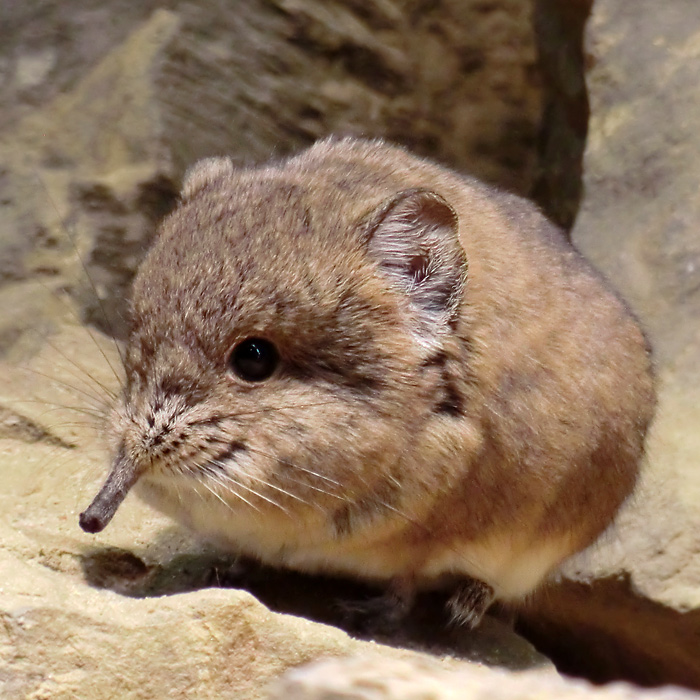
357,361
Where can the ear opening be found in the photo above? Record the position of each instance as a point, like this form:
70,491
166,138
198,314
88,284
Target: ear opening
414,239
204,173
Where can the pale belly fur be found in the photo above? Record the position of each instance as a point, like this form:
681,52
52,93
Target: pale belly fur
512,565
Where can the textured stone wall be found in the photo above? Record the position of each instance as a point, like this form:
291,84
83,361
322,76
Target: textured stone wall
102,107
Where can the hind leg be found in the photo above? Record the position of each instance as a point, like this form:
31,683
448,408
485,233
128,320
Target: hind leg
470,602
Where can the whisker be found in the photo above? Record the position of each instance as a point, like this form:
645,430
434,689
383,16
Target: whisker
92,412
289,463
313,473
257,450
216,495
276,488
264,409
198,469
382,503
271,501
326,492
89,278
254,492
97,398
228,478
84,327
83,372
197,492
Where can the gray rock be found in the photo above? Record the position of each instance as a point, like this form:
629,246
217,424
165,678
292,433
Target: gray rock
631,606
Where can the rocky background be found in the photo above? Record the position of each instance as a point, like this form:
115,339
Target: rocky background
102,107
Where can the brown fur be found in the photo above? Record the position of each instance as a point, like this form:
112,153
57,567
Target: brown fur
459,393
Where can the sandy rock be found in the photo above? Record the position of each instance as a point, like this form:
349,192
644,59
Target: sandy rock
639,219
87,177
62,639
46,47
631,606
111,119
367,678
126,100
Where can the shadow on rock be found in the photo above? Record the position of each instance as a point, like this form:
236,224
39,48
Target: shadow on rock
324,599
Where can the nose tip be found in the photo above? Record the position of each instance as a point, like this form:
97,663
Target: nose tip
122,477
91,522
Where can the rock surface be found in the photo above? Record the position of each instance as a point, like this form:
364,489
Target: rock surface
97,127
631,608
366,678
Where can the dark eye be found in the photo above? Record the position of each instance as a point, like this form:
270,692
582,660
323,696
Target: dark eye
254,359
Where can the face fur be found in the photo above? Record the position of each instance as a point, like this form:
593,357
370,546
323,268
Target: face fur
274,373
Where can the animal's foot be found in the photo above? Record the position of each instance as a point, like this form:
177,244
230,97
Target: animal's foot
382,614
469,603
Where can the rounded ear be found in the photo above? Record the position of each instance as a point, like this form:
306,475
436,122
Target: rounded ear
414,239
204,173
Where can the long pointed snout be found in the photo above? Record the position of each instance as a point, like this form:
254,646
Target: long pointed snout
122,477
